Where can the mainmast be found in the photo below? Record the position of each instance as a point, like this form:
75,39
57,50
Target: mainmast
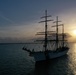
56,30
46,16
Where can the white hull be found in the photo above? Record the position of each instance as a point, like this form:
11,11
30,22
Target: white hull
40,56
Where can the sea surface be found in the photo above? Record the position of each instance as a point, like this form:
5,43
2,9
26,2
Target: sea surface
15,61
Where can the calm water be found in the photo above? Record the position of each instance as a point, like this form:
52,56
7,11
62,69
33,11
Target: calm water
15,61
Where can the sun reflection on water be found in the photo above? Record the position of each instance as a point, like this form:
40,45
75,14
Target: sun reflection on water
72,58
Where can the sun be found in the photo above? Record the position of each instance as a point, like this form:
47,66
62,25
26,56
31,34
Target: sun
74,32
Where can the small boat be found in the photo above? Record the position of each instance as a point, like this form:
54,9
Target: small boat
58,44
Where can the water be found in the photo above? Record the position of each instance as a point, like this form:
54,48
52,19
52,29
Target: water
15,61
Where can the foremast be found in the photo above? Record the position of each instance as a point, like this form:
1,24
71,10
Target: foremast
46,20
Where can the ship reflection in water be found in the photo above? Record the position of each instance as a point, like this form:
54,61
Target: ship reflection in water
65,65
57,66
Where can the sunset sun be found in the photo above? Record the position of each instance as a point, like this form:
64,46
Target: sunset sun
74,32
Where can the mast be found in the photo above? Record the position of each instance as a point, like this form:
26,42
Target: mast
56,30
46,16
45,30
63,34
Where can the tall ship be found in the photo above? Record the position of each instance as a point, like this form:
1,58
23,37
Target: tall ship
58,43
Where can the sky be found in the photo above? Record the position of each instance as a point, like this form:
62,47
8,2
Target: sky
19,18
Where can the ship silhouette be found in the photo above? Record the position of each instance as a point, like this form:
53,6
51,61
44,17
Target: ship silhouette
58,44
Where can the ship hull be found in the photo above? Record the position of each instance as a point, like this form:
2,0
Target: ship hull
41,56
